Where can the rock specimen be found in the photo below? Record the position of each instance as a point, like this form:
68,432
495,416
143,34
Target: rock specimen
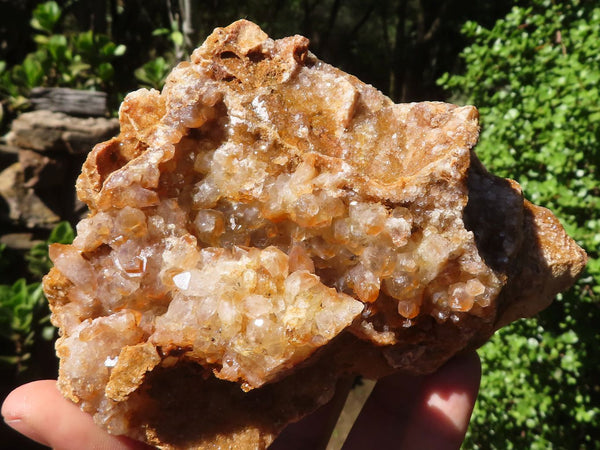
268,223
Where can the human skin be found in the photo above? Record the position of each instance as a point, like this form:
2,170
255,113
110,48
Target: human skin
403,412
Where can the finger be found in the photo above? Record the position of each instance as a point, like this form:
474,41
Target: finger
40,412
449,396
420,412
315,430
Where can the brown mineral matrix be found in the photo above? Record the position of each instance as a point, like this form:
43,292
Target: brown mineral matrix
267,224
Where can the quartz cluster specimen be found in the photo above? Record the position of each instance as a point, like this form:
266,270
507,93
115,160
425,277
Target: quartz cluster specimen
268,223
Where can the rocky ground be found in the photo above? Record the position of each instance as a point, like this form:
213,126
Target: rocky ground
40,159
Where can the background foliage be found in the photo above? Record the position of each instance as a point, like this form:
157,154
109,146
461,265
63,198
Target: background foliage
400,46
532,70
534,76
24,315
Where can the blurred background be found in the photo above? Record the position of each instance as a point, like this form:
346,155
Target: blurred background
532,67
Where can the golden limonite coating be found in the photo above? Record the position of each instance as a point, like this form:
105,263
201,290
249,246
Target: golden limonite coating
267,224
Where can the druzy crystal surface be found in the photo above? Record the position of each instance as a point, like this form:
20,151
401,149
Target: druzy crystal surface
267,223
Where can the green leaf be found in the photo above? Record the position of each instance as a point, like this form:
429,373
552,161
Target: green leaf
77,68
20,304
48,333
153,73
84,42
33,71
46,16
38,259
62,234
41,40
106,71
177,38
161,32
120,50
57,47
9,361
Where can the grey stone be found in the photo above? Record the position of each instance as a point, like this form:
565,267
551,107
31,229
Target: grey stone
24,205
41,171
75,102
19,241
11,187
8,155
54,131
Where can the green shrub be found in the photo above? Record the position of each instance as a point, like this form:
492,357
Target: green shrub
82,60
535,78
19,304
154,73
24,313
38,260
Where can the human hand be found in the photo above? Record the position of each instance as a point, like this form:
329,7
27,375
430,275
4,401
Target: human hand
402,412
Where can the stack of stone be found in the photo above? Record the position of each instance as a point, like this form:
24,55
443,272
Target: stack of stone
42,154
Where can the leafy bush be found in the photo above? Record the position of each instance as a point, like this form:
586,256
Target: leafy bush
534,77
38,259
154,73
24,314
19,304
81,60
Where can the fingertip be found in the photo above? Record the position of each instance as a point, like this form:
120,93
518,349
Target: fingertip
16,410
39,411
